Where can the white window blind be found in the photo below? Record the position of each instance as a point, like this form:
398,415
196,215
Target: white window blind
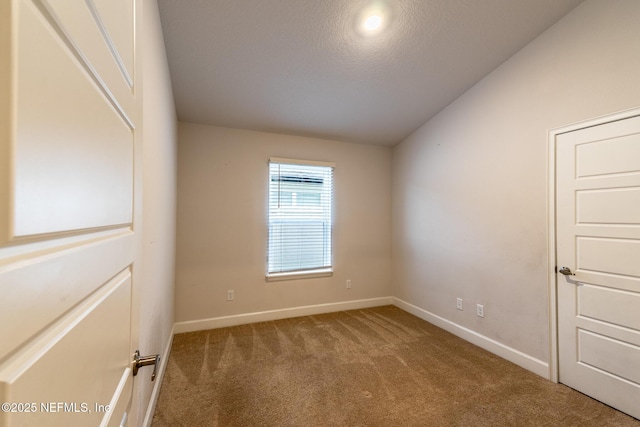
300,217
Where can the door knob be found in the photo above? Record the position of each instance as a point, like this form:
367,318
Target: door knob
566,271
139,362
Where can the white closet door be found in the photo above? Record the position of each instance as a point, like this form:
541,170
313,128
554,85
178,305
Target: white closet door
598,239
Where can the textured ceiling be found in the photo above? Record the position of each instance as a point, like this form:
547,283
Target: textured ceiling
301,67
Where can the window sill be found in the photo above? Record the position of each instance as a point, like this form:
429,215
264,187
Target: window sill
311,274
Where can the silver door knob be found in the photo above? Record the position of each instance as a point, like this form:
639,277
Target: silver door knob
139,362
566,271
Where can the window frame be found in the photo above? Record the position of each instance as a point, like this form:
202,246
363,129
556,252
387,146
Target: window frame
299,274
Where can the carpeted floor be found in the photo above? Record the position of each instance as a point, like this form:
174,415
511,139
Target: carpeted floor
372,367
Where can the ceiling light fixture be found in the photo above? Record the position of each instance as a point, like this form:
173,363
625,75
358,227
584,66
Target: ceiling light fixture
372,23
373,19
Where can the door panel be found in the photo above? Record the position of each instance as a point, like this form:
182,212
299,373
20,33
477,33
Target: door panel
622,153
88,346
73,152
620,206
598,237
622,255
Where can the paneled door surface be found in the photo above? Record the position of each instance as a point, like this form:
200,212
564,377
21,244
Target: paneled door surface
598,241
68,114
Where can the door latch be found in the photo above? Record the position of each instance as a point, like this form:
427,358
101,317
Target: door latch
138,362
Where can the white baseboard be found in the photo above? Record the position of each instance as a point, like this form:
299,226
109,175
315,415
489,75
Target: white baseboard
519,358
285,313
151,408
515,356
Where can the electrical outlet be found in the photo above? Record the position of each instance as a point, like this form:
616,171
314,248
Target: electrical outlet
459,304
480,310
348,283
230,295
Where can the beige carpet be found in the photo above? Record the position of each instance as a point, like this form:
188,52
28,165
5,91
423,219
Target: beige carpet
372,367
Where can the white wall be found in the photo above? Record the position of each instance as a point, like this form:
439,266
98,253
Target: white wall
222,212
158,205
470,186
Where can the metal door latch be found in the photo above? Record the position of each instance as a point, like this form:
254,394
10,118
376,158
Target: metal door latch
145,361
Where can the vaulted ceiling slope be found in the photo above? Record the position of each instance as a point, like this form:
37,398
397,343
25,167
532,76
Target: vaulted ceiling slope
302,67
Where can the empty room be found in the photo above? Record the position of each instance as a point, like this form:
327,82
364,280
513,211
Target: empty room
319,213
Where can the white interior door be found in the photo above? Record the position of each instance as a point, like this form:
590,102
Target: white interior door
67,241
598,239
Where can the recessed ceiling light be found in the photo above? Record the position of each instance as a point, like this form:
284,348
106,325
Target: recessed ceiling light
372,23
373,19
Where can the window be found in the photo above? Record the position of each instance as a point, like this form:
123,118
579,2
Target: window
300,218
